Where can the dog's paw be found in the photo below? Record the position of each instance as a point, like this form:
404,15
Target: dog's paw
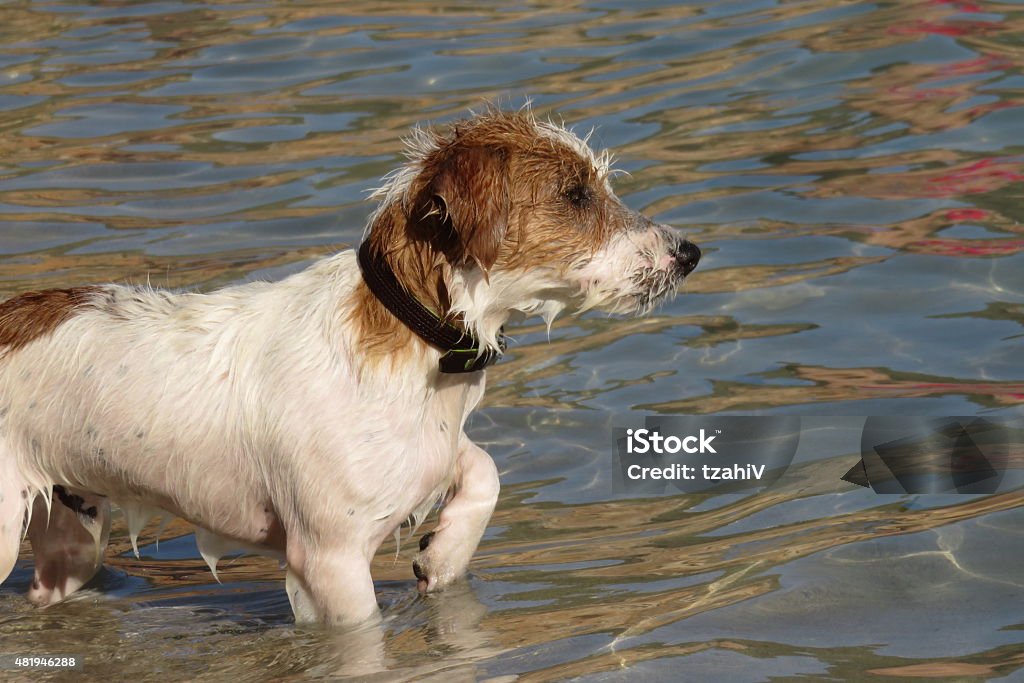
421,560
432,571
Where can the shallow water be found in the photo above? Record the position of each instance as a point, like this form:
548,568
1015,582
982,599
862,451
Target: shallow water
853,172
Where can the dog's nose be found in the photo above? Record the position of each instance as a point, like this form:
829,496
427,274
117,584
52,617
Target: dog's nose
687,255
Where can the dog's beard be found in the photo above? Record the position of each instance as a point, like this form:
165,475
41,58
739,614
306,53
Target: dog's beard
654,287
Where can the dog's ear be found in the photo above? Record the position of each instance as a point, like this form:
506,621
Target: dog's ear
468,191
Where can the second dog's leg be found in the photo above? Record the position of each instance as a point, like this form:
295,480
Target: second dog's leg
445,552
67,545
13,508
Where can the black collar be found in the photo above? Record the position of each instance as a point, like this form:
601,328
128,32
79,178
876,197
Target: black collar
461,349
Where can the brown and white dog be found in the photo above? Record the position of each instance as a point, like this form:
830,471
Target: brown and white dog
309,418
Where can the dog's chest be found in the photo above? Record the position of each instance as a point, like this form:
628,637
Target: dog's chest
432,452
446,414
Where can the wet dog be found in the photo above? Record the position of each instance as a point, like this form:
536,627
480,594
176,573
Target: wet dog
309,418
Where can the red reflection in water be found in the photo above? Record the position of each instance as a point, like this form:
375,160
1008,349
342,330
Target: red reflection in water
978,65
985,175
937,28
966,215
960,5
968,247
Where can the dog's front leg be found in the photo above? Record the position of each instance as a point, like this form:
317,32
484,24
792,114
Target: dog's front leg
445,552
330,585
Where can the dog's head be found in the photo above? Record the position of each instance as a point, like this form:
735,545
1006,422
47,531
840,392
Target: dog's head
504,213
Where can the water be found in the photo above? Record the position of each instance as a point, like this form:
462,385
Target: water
853,173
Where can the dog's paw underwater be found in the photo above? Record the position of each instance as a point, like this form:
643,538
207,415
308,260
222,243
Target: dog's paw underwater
309,418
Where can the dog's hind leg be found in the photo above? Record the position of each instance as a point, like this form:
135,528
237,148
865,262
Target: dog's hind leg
68,543
14,503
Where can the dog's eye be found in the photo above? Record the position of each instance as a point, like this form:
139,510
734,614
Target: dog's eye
578,195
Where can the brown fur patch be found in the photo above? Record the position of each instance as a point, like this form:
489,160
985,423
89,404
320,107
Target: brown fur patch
31,315
381,333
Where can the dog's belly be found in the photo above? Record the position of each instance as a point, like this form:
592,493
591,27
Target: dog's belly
247,519
219,502
142,443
